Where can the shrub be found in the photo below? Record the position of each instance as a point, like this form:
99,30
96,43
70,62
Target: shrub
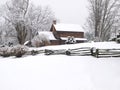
118,40
5,51
19,50
70,40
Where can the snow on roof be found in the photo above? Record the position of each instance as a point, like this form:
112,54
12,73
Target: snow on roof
48,34
69,27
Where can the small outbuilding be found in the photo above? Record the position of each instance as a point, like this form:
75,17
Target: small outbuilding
50,36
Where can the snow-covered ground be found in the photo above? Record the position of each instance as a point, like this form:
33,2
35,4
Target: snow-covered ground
61,72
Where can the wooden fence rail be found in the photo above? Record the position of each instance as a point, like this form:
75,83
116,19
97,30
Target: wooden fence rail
84,51
105,52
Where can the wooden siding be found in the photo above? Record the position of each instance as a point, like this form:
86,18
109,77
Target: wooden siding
54,42
60,42
75,34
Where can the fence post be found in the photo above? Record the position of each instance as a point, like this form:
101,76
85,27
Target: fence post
68,52
97,53
91,50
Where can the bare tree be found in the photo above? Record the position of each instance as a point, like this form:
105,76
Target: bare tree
26,19
40,19
102,18
15,12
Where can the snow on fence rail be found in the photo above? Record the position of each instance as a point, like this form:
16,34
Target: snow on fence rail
79,51
70,52
105,52
86,51
54,52
83,51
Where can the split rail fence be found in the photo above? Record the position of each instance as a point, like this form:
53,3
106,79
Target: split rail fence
85,51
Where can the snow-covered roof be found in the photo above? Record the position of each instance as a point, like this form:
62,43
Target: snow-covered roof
81,39
48,34
69,27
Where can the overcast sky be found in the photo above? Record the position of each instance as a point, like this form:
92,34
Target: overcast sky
67,11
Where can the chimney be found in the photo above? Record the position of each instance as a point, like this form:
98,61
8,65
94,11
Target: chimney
54,22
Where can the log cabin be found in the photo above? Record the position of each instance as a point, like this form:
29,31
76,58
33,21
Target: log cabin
63,31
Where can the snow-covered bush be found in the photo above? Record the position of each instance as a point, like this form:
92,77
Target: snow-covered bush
70,40
118,40
19,50
5,51
40,40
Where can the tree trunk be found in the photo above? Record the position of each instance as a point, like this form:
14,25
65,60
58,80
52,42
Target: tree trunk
21,32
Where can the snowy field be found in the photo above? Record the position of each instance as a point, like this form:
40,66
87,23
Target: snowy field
61,72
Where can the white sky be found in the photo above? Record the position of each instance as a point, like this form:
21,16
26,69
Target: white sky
67,11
